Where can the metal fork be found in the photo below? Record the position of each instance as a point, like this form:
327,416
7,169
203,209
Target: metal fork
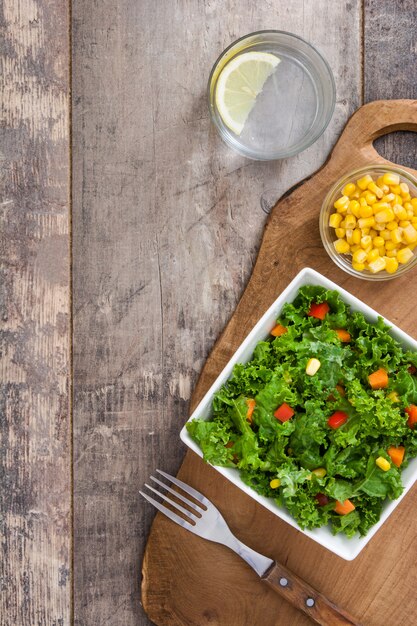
204,519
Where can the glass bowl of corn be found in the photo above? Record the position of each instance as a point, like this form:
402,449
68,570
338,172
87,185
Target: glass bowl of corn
368,222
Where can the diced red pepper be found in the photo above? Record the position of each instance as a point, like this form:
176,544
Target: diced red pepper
343,508
279,330
341,390
378,379
412,369
396,454
322,499
337,419
343,335
251,407
284,412
319,310
412,415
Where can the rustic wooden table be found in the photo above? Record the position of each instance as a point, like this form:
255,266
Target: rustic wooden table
128,232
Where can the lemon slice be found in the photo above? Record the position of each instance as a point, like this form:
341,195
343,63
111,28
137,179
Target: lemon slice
240,81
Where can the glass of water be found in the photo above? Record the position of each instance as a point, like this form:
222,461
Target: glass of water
295,102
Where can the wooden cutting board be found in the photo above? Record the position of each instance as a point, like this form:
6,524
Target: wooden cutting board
190,581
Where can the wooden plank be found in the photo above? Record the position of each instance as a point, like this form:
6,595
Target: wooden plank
390,68
35,457
167,224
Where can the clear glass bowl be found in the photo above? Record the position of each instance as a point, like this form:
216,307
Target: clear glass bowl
328,236
295,105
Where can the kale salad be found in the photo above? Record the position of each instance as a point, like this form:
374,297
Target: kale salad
321,419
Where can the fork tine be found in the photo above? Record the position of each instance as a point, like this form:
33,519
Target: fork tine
171,501
193,492
177,494
173,516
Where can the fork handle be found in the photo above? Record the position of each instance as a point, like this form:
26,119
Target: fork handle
303,597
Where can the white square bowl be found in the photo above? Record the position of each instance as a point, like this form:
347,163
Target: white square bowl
339,544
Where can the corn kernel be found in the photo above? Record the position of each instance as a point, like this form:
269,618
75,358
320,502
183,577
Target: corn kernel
378,241
354,247
372,255
359,267
342,203
390,197
379,227
404,223
373,233
349,235
275,483
391,179
349,189
365,211
412,245
414,202
392,225
392,254
396,235
341,246
365,222
340,232
410,214
379,206
414,219
356,237
408,206
375,190
383,464
390,245
410,234
359,256
342,224
406,197
364,182
399,212
391,266
320,472
398,200
393,396
396,189
362,200
384,215
385,234
377,265
354,207
342,210
370,197
385,188
350,221
366,241
404,255
382,251
404,189
355,195
334,220
312,367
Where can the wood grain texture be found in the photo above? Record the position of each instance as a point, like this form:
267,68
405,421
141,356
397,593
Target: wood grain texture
167,225
35,460
390,68
375,587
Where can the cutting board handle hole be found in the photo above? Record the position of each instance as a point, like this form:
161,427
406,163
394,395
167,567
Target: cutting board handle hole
397,145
